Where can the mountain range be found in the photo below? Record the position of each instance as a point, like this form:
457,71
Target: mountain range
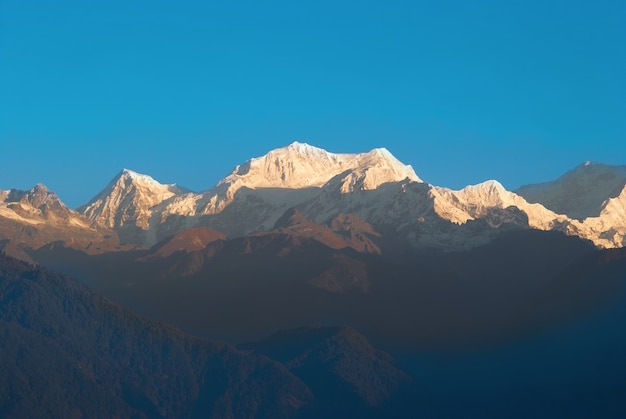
134,210
306,263
301,236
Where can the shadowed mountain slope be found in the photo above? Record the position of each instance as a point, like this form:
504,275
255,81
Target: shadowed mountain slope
67,352
243,289
347,374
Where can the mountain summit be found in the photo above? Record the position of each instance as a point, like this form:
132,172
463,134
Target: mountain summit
580,193
37,217
126,204
300,165
38,200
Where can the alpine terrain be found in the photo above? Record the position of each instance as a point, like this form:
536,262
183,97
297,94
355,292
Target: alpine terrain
342,285
588,202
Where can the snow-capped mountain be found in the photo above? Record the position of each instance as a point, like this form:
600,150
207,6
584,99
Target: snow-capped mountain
287,176
608,229
262,189
32,206
592,196
423,215
475,201
37,217
301,165
580,193
125,205
589,201
252,198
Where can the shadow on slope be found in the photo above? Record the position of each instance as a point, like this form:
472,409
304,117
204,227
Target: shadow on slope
67,352
246,288
349,377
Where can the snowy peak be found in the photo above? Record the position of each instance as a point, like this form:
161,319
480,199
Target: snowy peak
296,166
479,202
38,198
488,193
126,202
131,173
37,217
380,166
471,202
300,165
580,193
589,201
302,149
480,190
128,178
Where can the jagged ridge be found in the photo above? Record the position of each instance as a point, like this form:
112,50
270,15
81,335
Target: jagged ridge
589,201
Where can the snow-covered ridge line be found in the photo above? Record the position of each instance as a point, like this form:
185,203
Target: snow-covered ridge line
580,193
36,217
300,165
374,185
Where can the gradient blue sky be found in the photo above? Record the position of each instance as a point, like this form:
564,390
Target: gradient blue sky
464,91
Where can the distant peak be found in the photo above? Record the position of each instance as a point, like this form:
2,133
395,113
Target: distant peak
299,145
381,151
302,148
593,167
588,164
595,164
300,165
491,183
308,150
482,186
41,191
131,173
130,179
38,195
39,187
132,176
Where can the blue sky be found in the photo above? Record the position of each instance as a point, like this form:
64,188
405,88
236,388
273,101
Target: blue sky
519,91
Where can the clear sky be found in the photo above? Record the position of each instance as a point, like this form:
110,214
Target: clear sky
464,91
